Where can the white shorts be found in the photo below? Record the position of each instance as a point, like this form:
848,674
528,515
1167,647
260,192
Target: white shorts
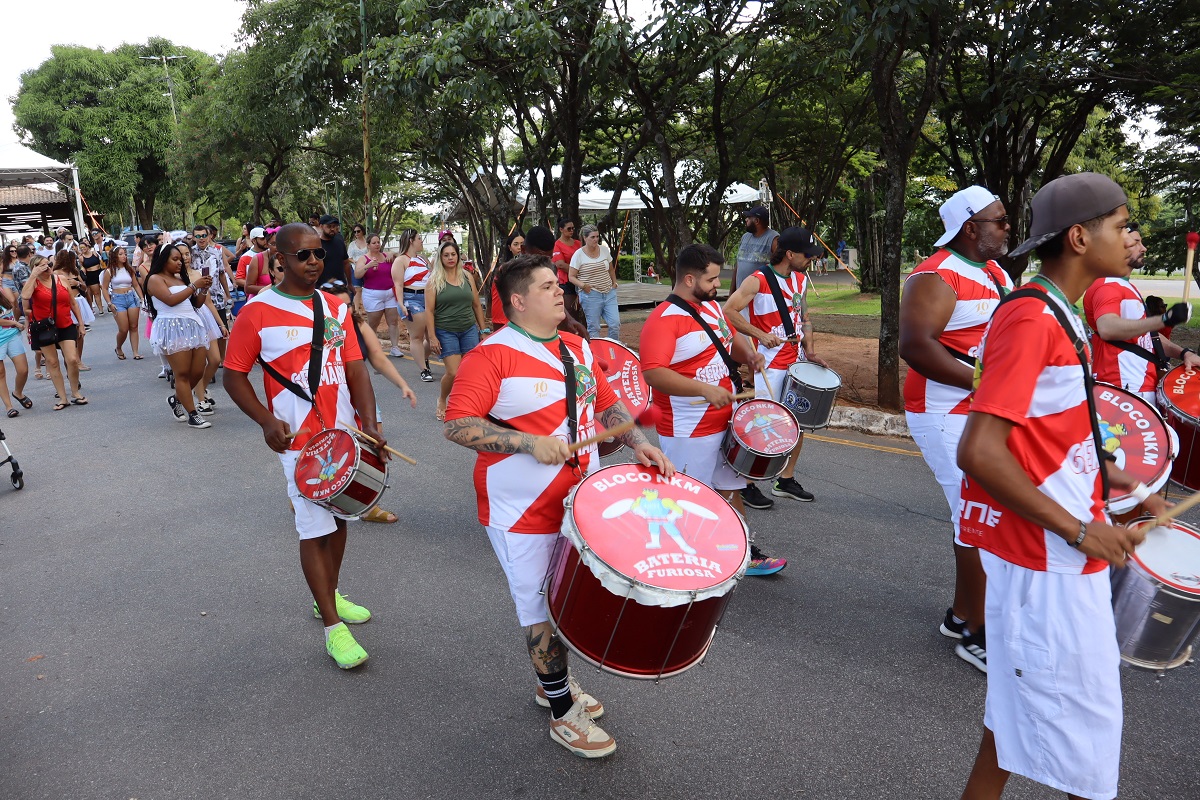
378,299
938,435
777,377
1054,684
312,521
700,457
525,557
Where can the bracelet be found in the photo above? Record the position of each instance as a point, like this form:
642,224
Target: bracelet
1082,533
1140,492
1185,351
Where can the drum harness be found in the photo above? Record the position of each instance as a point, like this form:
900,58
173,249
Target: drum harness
730,364
784,314
1089,382
315,357
958,354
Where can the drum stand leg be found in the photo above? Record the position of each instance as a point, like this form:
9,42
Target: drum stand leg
678,630
613,635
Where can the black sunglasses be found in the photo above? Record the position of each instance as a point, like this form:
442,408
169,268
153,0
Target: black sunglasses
304,254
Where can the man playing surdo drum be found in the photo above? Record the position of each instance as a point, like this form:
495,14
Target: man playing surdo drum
509,404
947,302
681,363
276,328
1124,346
1033,502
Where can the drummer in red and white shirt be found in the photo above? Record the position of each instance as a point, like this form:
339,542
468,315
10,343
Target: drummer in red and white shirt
1125,347
681,363
947,302
509,404
1033,502
794,251
275,329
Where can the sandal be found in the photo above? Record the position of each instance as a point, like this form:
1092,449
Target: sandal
137,358
378,514
37,374
24,401
84,368
120,353
12,412
59,406
440,414
79,401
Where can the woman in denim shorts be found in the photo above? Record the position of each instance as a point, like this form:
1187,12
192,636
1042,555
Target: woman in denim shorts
12,346
122,292
454,315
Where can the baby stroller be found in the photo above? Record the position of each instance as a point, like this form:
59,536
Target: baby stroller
18,477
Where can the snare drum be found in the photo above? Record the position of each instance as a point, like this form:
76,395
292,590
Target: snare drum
624,375
760,437
1179,398
341,472
1135,434
809,392
1156,598
644,571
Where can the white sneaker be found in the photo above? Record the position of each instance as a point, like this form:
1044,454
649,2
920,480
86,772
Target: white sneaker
593,707
396,352
576,732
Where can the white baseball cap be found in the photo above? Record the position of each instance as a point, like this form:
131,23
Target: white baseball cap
961,206
257,233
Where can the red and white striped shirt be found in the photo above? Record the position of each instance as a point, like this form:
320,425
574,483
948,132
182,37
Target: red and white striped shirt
672,339
279,328
1031,377
416,274
519,382
1112,364
764,315
976,298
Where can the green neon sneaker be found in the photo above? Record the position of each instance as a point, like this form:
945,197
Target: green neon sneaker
351,613
341,646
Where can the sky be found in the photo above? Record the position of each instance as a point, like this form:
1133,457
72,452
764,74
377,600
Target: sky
32,26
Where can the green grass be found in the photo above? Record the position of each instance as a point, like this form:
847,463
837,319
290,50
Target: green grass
842,301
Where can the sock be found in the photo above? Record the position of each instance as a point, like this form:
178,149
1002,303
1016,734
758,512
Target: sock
329,629
558,691
957,621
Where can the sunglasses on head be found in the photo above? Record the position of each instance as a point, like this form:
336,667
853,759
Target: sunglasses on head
334,286
303,255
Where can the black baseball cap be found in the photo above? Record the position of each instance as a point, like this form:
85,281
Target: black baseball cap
799,240
329,219
1067,201
760,212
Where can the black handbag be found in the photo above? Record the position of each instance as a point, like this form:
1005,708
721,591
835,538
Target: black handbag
44,332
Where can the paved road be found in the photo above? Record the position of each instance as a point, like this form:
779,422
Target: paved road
158,643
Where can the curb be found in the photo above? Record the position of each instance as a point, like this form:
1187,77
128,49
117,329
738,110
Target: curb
868,420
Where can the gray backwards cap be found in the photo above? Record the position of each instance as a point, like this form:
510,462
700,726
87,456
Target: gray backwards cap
1070,200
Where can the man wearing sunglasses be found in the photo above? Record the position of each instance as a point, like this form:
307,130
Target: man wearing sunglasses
275,329
947,302
337,258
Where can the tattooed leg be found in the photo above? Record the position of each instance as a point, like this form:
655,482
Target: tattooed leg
547,652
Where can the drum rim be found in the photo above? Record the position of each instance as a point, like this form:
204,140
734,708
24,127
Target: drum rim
1159,393
836,374
570,531
1152,575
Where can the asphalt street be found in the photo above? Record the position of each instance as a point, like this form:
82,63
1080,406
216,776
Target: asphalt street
158,639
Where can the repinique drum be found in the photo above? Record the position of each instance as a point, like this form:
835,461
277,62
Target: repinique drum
341,472
759,439
1156,598
1134,433
809,392
644,571
1179,399
624,375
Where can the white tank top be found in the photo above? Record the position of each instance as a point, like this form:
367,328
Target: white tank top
121,280
182,310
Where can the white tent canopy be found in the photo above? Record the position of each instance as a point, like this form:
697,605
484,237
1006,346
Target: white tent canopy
20,166
599,200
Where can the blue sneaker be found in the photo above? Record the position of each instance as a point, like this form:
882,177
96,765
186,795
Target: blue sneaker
762,564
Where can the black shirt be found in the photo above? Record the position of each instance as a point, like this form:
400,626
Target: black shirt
335,259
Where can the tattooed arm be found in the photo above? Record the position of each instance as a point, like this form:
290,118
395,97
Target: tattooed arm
647,454
479,434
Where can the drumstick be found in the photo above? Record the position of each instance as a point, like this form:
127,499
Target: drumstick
648,417
749,395
767,381
1174,511
294,434
1192,240
389,448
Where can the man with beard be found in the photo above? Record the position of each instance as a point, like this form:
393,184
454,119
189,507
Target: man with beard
1126,346
756,246
947,302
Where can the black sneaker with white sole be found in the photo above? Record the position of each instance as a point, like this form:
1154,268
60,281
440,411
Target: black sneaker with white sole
753,498
197,421
426,375
950,628
177,409
973,649
205,408
789,487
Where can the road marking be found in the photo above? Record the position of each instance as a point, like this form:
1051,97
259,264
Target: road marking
879,447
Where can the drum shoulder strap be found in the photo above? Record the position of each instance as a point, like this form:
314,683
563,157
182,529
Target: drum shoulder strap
731,365
785,315
1158,358
1089,383
568,364
315,357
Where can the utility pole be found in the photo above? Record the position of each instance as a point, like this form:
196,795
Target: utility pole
366,126
170,85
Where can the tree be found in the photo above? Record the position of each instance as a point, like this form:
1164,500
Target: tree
106,112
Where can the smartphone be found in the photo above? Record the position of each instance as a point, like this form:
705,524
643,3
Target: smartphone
205,270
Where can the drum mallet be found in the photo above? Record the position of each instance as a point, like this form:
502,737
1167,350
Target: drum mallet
1192,240
373,441
649,416
748,395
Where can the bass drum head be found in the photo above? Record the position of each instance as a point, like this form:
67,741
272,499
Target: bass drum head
814,375
326,464
1171,556
624,374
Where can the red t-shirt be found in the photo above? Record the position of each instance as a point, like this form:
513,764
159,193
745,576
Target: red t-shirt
1030,376
563,253
519,382
1112,364
672,339
279,328
764,315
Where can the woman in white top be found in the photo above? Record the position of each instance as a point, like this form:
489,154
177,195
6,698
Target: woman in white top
123,297
178,333
410,274
594,273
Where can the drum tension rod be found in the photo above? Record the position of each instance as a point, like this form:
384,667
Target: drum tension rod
678,630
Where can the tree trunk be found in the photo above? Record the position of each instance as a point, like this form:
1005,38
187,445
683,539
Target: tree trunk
144,205
888,386
869,232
